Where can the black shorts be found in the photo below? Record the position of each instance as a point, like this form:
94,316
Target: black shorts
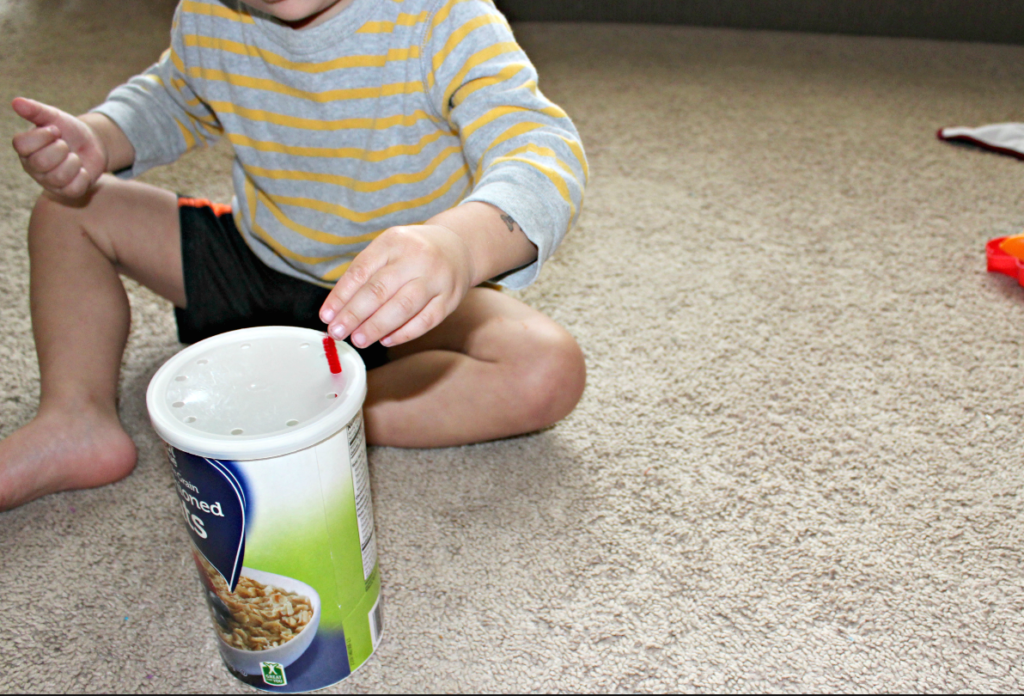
227,287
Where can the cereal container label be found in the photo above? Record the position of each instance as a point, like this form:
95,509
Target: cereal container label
286,553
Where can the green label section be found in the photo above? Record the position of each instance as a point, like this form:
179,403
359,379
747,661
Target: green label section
288,533
357,625
304,525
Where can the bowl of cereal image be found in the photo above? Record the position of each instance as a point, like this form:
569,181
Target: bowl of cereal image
268,618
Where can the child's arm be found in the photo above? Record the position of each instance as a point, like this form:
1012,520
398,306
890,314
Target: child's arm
67,154
152,119
410,278
158,111
529,172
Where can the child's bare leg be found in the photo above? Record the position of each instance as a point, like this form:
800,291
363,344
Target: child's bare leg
80,319
494,368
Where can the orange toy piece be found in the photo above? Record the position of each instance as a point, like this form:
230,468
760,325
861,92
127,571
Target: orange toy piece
1014,246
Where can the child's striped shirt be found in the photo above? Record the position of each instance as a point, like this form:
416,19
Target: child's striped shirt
386,114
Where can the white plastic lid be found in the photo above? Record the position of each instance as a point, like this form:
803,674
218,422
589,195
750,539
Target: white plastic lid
255,393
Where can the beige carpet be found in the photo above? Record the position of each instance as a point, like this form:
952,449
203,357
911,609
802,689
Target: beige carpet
797,465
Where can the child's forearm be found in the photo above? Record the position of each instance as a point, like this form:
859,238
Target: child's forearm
496,243
119,150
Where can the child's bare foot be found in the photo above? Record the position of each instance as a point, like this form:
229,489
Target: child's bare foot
63,450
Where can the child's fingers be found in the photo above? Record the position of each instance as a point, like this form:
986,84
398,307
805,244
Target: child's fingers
362,268
428,318
369,298
63,174
26,108
77,186
405,304
46,159
29,142
38,113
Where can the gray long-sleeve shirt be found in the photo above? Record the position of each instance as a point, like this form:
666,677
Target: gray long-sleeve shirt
386,114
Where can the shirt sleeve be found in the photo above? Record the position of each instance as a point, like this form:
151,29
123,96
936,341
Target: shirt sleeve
159,112
523,151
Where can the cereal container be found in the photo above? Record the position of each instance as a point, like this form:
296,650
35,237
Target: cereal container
265,436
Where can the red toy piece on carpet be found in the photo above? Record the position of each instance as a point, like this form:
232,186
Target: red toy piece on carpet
1006,255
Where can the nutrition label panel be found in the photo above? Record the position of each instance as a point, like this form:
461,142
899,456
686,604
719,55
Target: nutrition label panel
361,487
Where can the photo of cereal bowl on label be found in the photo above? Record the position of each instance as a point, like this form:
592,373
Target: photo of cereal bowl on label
268,618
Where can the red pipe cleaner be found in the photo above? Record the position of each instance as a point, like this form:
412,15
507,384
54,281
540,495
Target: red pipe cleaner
331,350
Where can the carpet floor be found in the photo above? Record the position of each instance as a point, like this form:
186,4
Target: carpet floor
797,464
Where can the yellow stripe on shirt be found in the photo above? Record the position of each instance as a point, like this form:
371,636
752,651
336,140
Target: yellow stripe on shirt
442,15
506,74
523,128
551,174
334,152
454,40
355,216
477,59
311,124
387,27
355,184
308,232
496,113
268,85
201,8
287,253
242,49
190,140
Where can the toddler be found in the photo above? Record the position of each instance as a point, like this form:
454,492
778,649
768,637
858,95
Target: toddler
394,159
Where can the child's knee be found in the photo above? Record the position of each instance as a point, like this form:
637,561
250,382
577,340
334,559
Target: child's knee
46,205
48,216
51,213
552,375
60,221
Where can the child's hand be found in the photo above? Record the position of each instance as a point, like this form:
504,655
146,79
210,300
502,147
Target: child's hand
400,286
62,153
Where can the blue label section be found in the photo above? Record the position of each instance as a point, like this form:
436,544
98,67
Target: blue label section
213,500
325,662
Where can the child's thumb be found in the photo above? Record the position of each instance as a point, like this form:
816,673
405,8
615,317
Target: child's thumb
36,112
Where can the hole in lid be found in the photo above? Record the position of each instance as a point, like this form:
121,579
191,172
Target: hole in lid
237,431
246,346
202,362
332,395
304,345
190,419
292,422
180,378
178,404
